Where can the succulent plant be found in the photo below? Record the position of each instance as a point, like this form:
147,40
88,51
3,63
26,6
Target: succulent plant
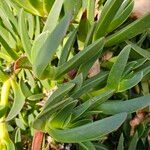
47,49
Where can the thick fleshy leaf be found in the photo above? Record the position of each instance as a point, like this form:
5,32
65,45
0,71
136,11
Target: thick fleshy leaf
120,18
126,84
5,8
91,12
10,51
24,34
67,47
83,134
92,103
82,57
90,84
129,31
129,106
60,118
58,95
53,16
43,118
109,11
141,51
118,68
46,52
18,103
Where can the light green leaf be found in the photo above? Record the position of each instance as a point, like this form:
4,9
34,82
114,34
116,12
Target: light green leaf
19,101
67,47
129,31
108,13
126,84
83,134
36,97
43,118
10,51
118,68
5,8
59,119
24,34
129,106
53,16
46,52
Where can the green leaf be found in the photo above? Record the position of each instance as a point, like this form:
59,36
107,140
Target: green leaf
78,81
67,47
108,13
43,118
118,68
38,5
53,16
120,18
3,75
129,106
83,134
72,6
5,8
19,101
82,57
46,52
92,103
87,146
36,97
48,5
121,143
37,44
58,95
90,84
27,6
21,63
24,34
3,110
141,51
126,84
133,143
9,144
91,11
10,51
129,31
31,25
58,120
25,89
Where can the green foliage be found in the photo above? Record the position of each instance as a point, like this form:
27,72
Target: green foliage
48,51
